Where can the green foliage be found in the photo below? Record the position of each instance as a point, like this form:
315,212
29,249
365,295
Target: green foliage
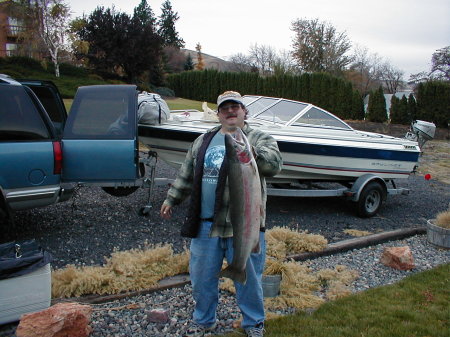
167,26
398,113
376,111
412,108
416,306
71,77
357,112
163,91
120,43
331,93
189,64
433,102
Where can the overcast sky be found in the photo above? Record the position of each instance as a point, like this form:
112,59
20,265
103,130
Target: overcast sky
404,32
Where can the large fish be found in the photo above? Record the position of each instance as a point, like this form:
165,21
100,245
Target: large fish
245,203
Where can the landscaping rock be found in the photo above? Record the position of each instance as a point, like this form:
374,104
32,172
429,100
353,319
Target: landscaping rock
399,258
158,315
62,319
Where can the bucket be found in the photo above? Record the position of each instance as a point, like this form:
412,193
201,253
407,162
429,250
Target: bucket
437,235
271,285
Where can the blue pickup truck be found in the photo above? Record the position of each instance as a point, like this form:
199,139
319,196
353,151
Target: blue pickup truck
45,152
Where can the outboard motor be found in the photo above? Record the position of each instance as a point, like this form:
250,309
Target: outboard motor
421,132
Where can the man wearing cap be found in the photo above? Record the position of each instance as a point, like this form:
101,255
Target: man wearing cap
203,177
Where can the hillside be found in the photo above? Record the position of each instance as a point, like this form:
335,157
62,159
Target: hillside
211,62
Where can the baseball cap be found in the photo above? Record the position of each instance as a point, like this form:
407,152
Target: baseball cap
229,96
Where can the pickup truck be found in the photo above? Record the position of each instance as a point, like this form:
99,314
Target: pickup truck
45,152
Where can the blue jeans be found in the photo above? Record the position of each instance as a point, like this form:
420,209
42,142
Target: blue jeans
207,255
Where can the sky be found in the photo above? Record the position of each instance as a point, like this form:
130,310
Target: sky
404,32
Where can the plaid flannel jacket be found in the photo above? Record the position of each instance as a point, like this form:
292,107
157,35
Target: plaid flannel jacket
268,159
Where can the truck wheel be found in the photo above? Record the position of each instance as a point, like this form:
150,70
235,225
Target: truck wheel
370,200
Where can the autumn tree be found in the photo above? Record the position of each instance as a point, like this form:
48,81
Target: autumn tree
319,47
200,65
53,22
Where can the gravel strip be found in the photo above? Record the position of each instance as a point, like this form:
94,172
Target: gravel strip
126,321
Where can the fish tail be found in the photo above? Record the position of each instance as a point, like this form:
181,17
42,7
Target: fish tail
234,274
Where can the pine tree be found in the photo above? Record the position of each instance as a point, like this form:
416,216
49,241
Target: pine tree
189,64
167,26
144,14
357,106
377,107
394,111
412,108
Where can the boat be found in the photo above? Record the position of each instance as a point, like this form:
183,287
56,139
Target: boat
315,144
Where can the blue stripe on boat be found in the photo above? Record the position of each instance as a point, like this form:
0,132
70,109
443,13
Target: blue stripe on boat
289,147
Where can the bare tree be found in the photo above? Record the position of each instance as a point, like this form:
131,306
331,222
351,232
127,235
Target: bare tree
240,62
53,19
440,60
392,77
263,57
440,68
284,63
319,47
365,70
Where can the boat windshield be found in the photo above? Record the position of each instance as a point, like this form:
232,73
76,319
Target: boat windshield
316,116
290,113
273,109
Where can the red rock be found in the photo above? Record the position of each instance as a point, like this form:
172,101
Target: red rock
60,320
158,315
399,258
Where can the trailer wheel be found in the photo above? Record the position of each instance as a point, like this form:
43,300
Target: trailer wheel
370,200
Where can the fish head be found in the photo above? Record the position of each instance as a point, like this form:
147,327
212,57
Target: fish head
237,147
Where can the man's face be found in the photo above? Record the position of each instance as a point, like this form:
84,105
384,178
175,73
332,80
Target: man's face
231,115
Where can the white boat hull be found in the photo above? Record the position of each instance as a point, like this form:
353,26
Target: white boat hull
298,166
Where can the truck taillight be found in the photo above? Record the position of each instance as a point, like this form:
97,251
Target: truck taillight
57,157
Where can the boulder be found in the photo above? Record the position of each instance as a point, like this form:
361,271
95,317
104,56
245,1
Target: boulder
399,258
158,315
60,320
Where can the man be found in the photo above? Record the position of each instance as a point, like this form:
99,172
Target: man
203,176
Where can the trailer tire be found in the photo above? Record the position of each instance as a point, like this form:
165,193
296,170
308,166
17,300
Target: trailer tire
370,199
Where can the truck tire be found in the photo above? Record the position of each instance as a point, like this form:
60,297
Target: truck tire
370,199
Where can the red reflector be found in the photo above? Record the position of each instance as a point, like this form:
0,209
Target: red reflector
57,158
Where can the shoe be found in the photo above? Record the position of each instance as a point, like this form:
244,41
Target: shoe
257,331
196,329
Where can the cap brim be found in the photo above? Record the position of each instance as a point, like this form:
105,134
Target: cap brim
230,100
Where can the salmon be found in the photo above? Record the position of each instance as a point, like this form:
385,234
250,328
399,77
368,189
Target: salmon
245,204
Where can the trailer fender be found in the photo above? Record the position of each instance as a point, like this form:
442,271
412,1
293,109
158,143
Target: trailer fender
362,181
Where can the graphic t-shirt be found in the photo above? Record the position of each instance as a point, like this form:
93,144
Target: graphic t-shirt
213,161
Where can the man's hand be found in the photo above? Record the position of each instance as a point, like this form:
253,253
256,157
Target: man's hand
166,211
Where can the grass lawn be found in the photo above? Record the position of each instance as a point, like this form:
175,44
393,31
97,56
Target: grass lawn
416,306
174,104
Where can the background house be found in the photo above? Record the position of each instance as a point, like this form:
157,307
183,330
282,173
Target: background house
18,32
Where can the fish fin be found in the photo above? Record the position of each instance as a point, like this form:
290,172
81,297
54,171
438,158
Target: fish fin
234,274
